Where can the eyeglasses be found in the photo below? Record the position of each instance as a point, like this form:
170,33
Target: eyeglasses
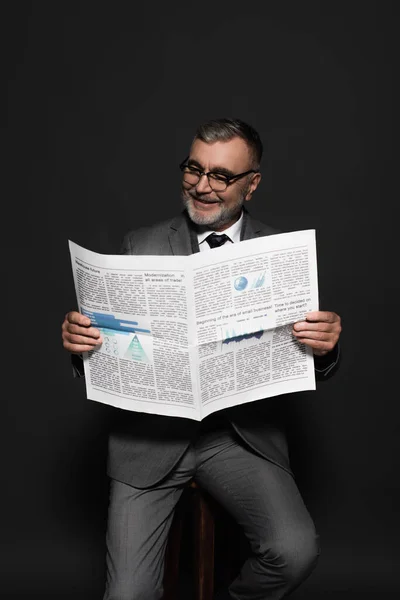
218,182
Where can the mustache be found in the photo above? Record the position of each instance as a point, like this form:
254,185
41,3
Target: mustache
204,199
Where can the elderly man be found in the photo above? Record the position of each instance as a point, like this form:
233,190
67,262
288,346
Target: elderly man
238,454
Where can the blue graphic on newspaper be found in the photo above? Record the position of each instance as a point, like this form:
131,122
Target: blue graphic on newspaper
122,338
241,283
108,321
233,337
246,331
135,351
250,281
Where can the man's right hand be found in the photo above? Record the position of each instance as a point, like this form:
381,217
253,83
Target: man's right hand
78,335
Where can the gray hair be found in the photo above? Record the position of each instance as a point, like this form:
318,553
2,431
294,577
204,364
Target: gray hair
223,130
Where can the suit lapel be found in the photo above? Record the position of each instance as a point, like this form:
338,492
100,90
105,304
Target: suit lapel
251,228
182,237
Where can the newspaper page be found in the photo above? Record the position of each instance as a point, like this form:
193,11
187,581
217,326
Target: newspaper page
246,298
185,336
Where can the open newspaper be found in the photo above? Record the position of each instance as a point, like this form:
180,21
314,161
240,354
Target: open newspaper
185,336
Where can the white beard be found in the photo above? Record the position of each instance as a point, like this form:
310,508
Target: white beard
222,215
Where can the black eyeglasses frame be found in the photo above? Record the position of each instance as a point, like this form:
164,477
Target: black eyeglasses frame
229,178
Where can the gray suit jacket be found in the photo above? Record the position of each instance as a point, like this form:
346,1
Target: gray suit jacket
143,448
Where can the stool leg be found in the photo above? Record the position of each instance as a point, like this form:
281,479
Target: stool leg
204,548
172,555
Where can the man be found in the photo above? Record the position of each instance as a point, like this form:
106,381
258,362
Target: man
239,454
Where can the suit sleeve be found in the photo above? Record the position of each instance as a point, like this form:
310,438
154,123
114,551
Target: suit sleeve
77,365
326,366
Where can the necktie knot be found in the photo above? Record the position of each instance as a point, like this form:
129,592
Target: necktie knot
214,240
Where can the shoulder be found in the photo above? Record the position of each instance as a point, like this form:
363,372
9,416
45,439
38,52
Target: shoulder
255,228
149,230
268,230
144,240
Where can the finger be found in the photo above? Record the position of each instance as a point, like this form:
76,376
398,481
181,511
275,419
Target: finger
321,315
324,346
314,335
90,332
77,348
83,340
306,326
77,318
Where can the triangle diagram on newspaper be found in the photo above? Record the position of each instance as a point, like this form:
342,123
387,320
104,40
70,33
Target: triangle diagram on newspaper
135,351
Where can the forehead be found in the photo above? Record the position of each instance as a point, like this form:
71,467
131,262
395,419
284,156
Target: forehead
233,155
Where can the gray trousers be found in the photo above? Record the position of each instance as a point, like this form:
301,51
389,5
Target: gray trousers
261,497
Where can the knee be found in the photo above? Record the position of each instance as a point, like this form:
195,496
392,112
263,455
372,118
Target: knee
294,557
301,556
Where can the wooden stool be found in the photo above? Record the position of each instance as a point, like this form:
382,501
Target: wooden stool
204,530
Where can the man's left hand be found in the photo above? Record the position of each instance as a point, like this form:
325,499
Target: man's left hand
320,331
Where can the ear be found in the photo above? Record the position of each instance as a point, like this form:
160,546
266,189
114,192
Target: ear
253,186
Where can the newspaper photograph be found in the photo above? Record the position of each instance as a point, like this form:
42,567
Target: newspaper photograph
185,336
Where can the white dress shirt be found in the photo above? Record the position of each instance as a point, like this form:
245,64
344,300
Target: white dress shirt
233,232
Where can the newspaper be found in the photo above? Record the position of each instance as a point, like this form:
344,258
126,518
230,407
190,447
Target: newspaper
185,336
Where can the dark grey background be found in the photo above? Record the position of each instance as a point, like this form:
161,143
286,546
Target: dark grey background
103,100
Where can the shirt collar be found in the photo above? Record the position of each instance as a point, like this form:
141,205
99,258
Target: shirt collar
233,232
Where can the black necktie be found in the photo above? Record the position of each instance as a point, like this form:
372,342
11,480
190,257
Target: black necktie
215,240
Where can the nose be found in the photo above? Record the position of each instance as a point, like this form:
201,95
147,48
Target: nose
203,186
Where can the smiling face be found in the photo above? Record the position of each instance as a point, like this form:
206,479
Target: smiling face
219,210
